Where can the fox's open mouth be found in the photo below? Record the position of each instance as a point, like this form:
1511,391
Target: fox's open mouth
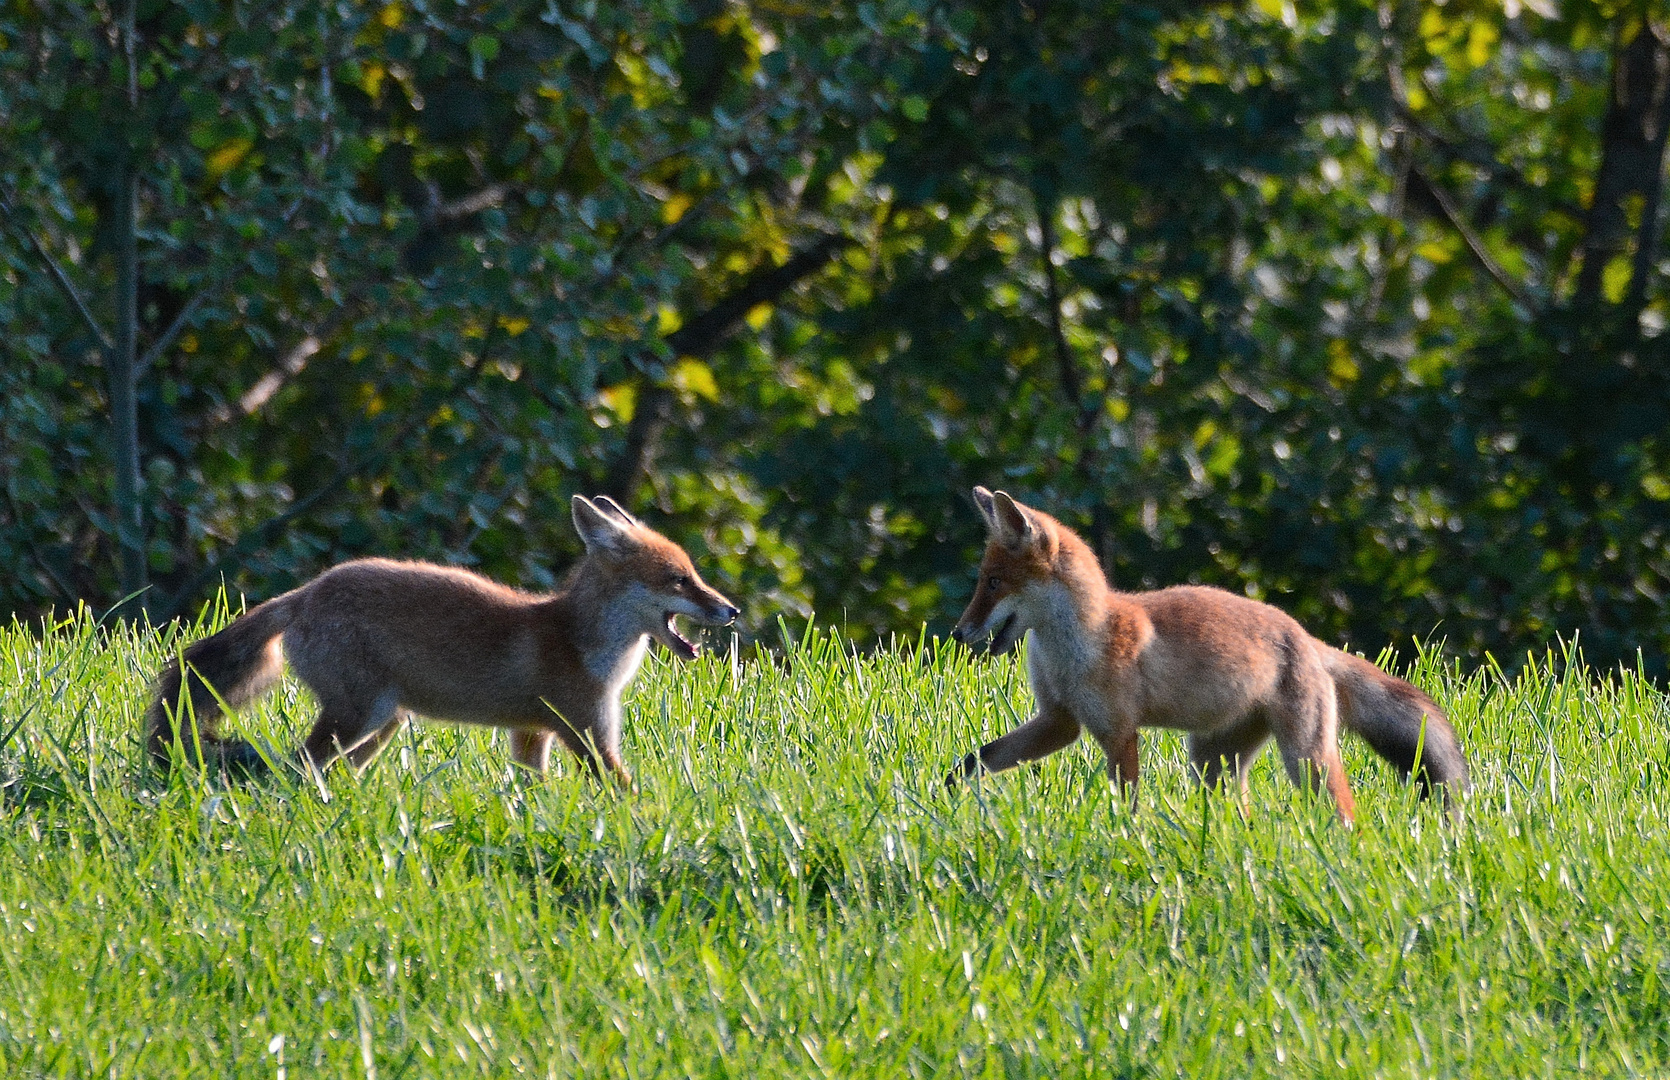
1001,642
677,641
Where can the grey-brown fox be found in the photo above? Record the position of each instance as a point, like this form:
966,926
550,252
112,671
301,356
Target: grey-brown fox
1230,671
376,640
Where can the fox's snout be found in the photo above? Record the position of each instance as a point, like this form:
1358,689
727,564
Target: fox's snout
993,617
975,624
971,633
713,608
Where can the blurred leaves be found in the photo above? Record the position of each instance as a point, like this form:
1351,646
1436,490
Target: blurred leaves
1287,298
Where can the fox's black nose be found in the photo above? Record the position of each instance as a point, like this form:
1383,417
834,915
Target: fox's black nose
958,633
728,614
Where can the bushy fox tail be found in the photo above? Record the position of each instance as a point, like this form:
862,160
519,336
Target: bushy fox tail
1402,724
234,666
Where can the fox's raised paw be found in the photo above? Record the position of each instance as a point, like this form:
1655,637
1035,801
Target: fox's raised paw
969,766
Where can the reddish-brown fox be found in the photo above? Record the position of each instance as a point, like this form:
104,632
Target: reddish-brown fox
376,640
1230,671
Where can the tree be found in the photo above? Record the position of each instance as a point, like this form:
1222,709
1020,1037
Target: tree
1355,307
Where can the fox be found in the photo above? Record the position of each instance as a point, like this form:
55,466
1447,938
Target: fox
1230,671
378,640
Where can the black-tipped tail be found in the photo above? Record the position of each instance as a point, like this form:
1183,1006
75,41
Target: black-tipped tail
1402,725
233,667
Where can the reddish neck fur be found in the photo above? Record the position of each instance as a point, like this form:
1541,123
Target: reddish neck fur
593,587
1075,567
1089,601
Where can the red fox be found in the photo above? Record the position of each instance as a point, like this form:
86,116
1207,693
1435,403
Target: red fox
375,638
1230,671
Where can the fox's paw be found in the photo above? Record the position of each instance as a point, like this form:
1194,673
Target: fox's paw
240,761
969,766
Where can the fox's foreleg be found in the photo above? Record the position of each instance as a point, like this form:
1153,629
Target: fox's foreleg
623,775
598,752
531,750
1120,746
593,738
1049,731
605,734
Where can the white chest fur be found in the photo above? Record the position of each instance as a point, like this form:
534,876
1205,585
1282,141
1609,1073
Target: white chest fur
627,668
616,667
1061,657
614,660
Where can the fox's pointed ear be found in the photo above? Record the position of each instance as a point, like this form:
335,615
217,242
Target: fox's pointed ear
1011,523
610,506
988,510
600,530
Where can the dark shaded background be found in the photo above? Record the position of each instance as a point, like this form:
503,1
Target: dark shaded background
1354,307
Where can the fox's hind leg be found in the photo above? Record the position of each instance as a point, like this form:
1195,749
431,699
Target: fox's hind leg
344,724
1226,755
1306,726
361,756
1324,769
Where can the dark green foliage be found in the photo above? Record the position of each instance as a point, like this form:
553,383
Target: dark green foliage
1354,307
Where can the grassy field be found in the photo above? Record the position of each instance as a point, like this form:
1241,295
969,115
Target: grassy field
792,893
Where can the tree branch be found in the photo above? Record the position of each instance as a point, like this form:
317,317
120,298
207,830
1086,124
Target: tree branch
1066,364
1440,197
59,278
699,337
1383,265
1474,242
1480,156
121,362
704,333
474,203
289,366
168,336
1085,414
161,344
66,593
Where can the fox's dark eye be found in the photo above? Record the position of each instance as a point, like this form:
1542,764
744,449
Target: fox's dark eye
681,582
992,583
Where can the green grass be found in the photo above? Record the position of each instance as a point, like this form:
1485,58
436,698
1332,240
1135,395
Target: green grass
792,893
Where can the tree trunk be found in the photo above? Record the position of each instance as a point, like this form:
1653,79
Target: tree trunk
121,362
1631,165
